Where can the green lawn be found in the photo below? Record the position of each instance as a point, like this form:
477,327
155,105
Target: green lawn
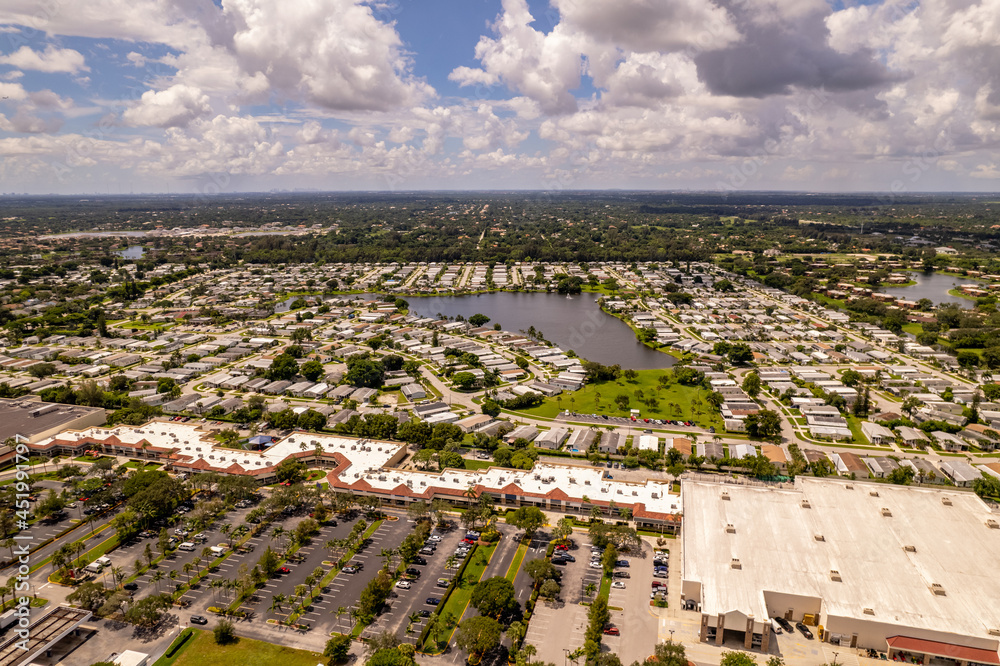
515,565
202,651
675,401
478,464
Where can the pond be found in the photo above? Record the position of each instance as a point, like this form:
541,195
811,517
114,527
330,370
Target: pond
572,322
132,252
934,286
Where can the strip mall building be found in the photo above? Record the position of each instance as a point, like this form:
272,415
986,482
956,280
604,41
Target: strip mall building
368,467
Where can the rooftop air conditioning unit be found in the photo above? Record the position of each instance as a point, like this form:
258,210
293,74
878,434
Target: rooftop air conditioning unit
992,524
806,504
868,611
946,501
735,564
730,529
938,590
910,549
819,537
835,576
886,513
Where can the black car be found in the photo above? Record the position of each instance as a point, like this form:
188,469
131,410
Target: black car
419,560
561,561
433,601
131,586
198,619
620,574
423,612
804,629
785,624
568,557
413,572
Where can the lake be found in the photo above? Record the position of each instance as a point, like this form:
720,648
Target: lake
132,252
572,322
934,286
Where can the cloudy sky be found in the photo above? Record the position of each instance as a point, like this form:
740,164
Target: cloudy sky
118,96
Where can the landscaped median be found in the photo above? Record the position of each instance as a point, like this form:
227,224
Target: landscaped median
456,599
330,575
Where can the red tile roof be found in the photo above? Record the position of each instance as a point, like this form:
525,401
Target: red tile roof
949,650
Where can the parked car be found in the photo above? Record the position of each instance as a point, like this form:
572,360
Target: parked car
618,585
426,551
443,582
131,586
433,601
413,572
423,612
434,537
622,563
419,560
657,584
198,619
775,626
785,624
403,584
804,629
612,631
620,574
595,565
284,570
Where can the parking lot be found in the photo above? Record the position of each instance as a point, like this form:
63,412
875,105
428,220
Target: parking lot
559,626
345,589
126,556
402,604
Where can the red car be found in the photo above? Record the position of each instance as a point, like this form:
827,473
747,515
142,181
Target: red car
284,570
562,546
612,631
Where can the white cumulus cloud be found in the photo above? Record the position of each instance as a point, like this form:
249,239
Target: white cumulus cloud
52,59
176,106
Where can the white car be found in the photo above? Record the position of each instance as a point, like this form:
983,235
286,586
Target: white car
434,537
403,584
596,565
618,585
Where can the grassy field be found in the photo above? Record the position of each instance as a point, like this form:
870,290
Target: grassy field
202,651
675,401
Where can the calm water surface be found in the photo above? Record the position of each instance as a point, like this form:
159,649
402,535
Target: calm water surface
572,322
935,287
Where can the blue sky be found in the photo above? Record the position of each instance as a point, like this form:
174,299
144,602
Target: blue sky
150,95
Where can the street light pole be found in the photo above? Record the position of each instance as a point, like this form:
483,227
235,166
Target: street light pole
835,658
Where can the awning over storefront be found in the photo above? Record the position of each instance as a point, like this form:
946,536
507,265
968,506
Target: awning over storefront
948,650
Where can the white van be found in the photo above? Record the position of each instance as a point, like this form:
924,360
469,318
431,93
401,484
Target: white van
187,545
775,626
93,568
218,550
103,561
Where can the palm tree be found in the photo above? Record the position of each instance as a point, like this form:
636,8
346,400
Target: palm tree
340,611
187,570
277,533
117,575
156,578
388,554
278,602
173,577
